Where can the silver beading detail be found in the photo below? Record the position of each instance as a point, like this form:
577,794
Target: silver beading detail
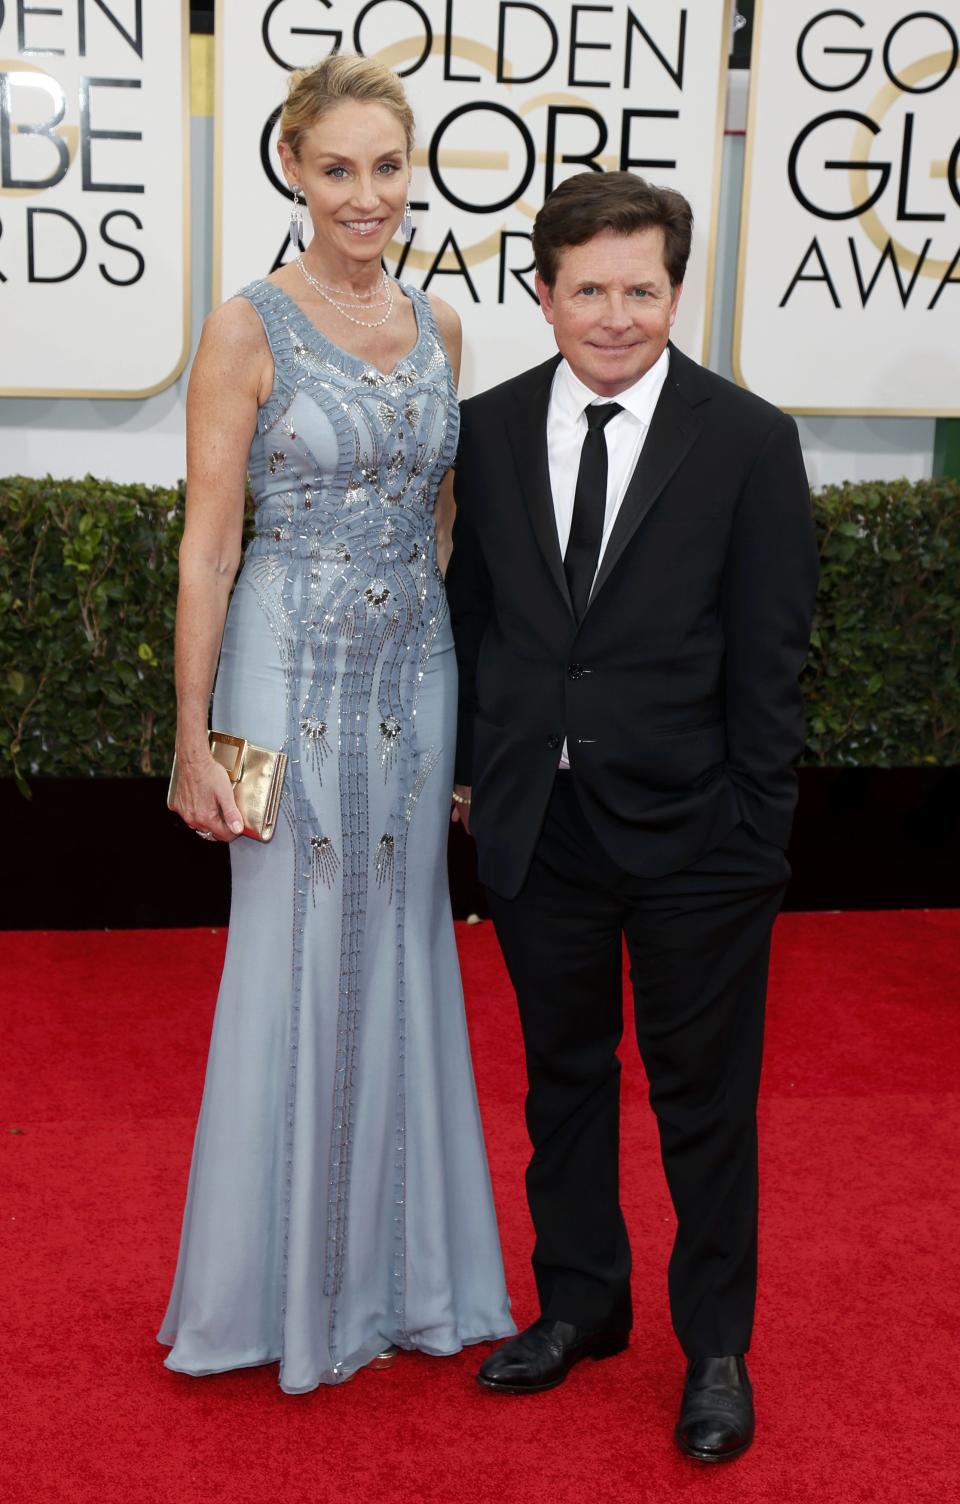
316,746
324,863
384,862
390,731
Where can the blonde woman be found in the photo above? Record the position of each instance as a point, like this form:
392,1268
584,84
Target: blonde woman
339,1203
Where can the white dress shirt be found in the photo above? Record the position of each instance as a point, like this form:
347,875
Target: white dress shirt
625,435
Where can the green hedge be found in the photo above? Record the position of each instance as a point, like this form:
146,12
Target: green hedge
881,682
88,583
88,587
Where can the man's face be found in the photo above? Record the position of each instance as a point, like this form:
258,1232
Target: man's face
611,307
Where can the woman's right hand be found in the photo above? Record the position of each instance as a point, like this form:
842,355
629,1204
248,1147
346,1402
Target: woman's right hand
205,799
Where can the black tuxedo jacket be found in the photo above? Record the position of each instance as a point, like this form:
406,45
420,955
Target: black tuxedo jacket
678,692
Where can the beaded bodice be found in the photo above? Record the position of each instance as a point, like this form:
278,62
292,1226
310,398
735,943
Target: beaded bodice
346,460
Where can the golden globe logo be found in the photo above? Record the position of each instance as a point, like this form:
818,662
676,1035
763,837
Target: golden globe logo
497,153
892,175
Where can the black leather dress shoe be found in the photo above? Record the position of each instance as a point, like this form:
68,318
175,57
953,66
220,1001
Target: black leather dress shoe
542,1356
716,1414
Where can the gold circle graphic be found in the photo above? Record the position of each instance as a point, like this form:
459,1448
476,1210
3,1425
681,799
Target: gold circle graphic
863,140
484,57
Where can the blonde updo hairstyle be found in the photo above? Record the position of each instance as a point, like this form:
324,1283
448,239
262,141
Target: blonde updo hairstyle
314,92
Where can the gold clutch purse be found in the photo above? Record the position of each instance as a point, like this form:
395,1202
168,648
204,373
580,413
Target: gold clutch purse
256,775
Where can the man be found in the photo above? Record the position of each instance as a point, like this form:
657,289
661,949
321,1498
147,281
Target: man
631,589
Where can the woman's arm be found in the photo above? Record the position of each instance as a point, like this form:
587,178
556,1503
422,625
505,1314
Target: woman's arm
451,332
231,368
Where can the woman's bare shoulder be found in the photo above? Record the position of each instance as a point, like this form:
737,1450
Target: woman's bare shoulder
233,355
234,328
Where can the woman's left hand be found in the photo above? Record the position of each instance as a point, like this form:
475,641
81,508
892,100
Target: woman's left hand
460,814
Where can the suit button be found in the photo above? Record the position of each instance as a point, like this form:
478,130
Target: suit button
553,742
575,671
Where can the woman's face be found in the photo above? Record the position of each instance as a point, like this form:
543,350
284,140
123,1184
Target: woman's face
354,171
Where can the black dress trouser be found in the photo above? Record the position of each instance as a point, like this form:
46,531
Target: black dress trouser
698,942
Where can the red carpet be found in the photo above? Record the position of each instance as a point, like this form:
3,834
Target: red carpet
856,1347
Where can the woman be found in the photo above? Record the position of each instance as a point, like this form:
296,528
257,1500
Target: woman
339,1202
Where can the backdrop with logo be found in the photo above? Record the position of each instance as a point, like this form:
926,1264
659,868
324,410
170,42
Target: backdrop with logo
94,180
848,297
510,98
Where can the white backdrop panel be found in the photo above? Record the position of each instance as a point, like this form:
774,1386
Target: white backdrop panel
848,296
510,98
94,180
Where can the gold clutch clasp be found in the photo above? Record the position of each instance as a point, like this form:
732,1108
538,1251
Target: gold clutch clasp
233,755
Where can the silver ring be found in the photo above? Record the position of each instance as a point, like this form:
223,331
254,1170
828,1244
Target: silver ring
206,835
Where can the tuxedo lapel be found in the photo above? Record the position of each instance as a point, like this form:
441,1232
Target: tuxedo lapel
526,424
673,430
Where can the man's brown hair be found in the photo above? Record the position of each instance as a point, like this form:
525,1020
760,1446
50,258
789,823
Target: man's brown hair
590,202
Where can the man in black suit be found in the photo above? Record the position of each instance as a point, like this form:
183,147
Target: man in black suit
631,588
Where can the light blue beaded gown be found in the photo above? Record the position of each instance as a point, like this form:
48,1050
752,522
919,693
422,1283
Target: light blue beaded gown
339,1199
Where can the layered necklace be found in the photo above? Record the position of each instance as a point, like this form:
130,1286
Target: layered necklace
332,295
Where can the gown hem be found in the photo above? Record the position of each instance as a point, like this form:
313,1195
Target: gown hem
405,1344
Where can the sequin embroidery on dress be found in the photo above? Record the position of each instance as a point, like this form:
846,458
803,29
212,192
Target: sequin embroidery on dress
338,643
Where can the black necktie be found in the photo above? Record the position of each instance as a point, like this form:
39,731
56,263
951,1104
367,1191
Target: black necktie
589,507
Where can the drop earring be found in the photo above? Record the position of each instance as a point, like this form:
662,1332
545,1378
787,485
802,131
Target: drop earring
406,223
296,220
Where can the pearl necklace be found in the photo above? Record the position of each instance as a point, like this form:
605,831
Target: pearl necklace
359,297
363,323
